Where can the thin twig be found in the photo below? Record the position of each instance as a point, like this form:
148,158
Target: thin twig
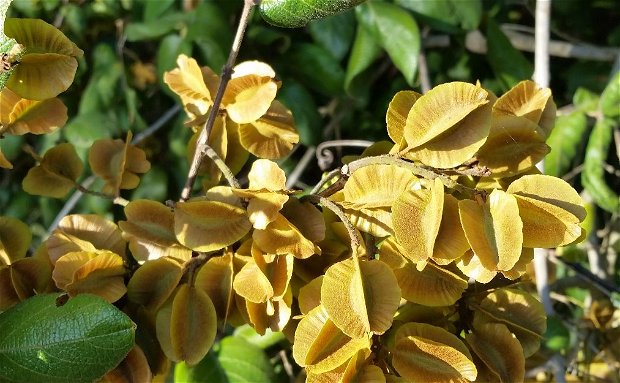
215,108
328,177
219,162
117,200
161,121
356,240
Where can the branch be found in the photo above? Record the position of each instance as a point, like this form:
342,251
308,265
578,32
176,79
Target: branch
203,139
354,235
219,162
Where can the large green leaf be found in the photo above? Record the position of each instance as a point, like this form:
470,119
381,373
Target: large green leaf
317,68
593,175
396,31
295,13
364,52
301,103
447,15
510,65
233,360
334,33
152,29
45,341
565,141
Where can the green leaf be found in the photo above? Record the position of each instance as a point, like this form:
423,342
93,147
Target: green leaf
447,15
304,109
265,341
557,336
84,129
396,31
565,141
593,175
316,68
364,52
296,14
154,9
335,33
509,65
610,99
586,100
152,29
170,48
234,360
45,341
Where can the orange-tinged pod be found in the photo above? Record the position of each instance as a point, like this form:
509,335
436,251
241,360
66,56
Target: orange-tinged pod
282,237
372,296
252,284
320,346
520,311
133,369
428,353
153,283
396,116
247,98
500,351
433,286
272,136
216,278
187,325
416,218
451,242
310,295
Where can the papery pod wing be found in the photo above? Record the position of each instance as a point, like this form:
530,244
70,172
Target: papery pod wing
236,155
500,351
350,371
527,255
266,175
264,207
309,295
31,275
306,217
153,283
100,273
21,116
249,92
398,110
320,346
117,162
282,237
550,208
279,268
375,186
272,136
273,314
48,66
514,145
216,278
521,312
209,225
56,174
15,238
416,218
433,286
391,253
377,221
427,353
188,82
470,265
527,100
187,325
149,229
133,369
372,296
451,242
252,284
84,232
447,125
493,230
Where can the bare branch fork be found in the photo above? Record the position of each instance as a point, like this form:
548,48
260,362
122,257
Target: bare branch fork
201,144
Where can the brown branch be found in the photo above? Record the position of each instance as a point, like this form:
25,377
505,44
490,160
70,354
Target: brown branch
203,139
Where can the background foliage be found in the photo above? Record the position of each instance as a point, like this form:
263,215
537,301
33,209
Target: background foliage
338,76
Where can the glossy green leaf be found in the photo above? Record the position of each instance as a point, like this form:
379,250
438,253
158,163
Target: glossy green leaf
447,15
364,52
565,141
585,100
233,360
593,174
396,31
305,111
295,13
151,29
154,9
509,65
265,341
46,341
335,33
610,99
317,68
